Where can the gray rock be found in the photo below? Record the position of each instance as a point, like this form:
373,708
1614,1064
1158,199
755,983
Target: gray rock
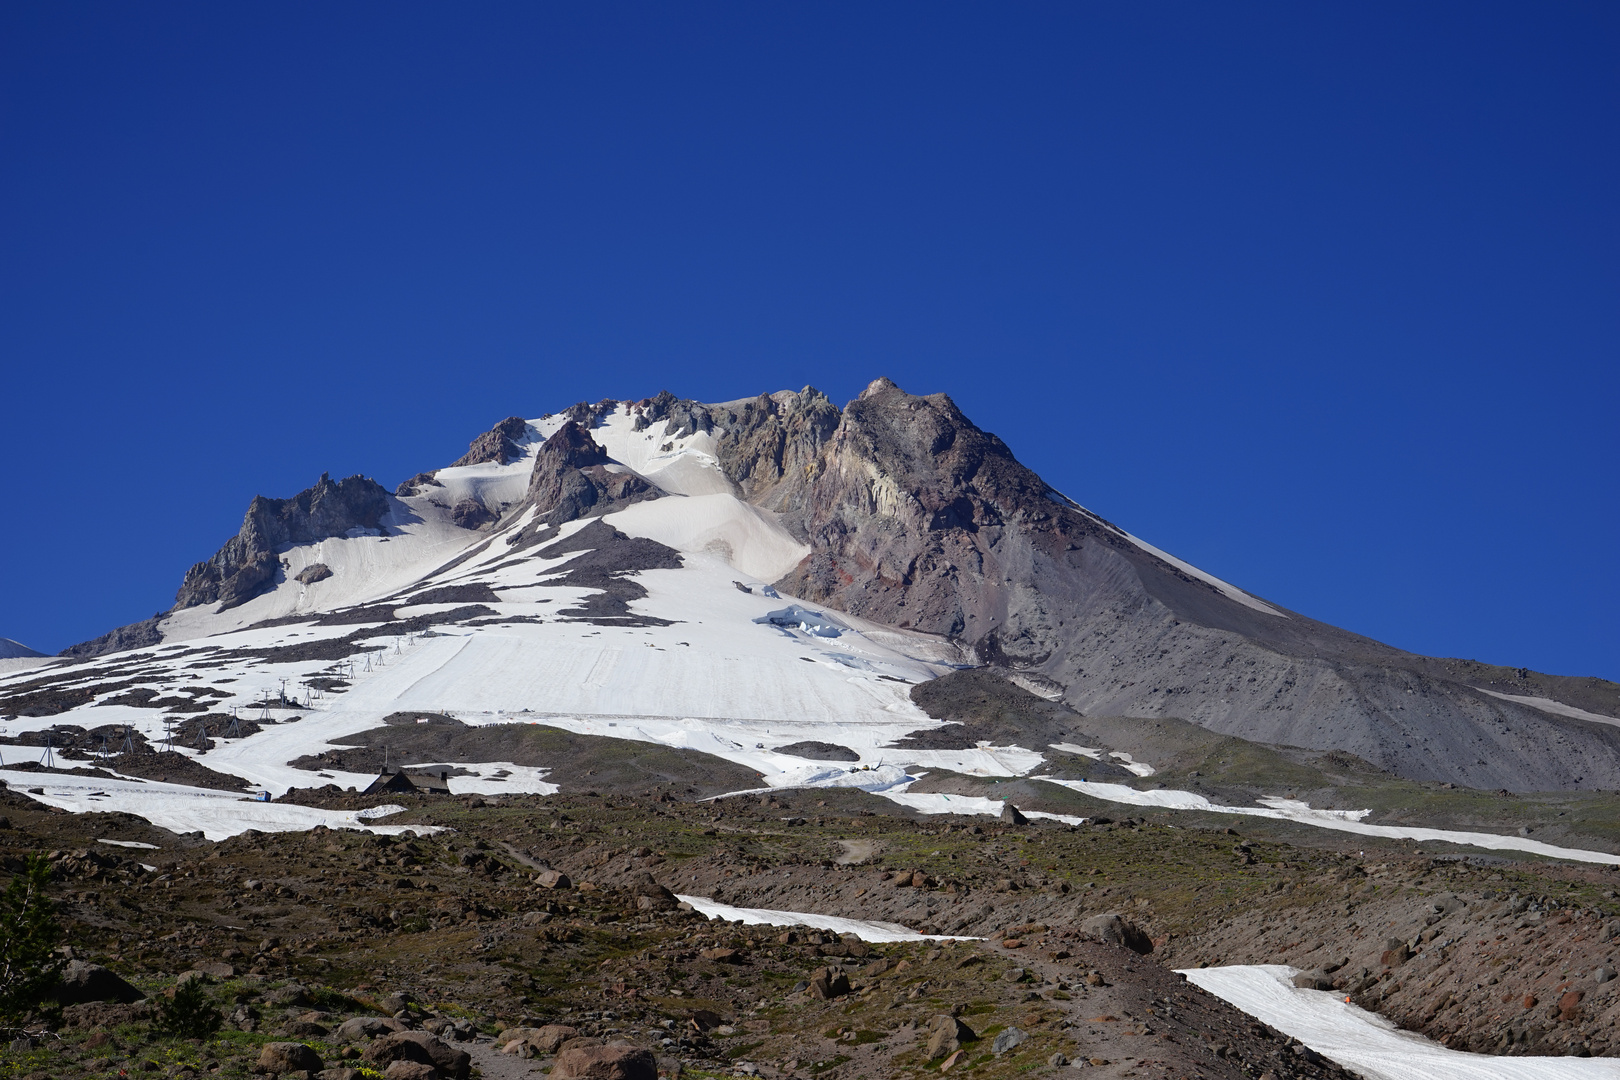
1007,1040
365,1027
1313,980
291,994
1114,929
829,984
410,1070
288,1057
84,982
1011,816
946,1034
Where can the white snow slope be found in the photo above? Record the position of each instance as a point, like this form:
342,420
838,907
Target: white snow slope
1366,1042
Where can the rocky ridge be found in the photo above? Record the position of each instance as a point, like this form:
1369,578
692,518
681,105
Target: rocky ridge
247,563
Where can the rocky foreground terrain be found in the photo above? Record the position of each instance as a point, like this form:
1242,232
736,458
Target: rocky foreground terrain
542,936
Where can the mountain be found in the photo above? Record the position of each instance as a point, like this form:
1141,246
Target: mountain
920,533
504,736
14,650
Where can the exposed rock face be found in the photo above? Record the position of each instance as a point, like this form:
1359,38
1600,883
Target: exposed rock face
588,415
571,479
312,573
768,446
416,484
471,514
134,636
496,446
919,519
247,564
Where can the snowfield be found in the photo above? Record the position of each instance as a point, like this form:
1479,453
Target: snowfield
1366,1042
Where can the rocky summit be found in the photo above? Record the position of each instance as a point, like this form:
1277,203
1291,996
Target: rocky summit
657,737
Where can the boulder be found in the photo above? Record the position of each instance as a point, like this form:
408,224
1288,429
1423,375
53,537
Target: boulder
1313,980
410,1070
288,1057
946,1034
1112,929
528,1041
1007,1040
83,982
829,983
552,879
365,1027
422,1047
291,994
1011,816
394,1004
605,1063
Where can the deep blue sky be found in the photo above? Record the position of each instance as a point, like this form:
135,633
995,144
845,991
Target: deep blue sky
1321,298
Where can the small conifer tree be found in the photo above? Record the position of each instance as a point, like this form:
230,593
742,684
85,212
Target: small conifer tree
29,966
189,1014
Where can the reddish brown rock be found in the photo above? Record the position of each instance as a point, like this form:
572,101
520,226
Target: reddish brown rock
605,1063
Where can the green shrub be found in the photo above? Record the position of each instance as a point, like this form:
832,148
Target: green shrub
189,1014
29,966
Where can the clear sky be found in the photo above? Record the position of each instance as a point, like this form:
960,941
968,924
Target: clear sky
1319,297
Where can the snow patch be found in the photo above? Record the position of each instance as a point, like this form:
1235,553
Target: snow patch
1338,820
864,929
1368,1043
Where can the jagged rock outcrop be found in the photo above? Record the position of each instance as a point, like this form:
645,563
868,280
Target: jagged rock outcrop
768,446
134,636
571,479
471,514
498,445
416,484
587,415
247,564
